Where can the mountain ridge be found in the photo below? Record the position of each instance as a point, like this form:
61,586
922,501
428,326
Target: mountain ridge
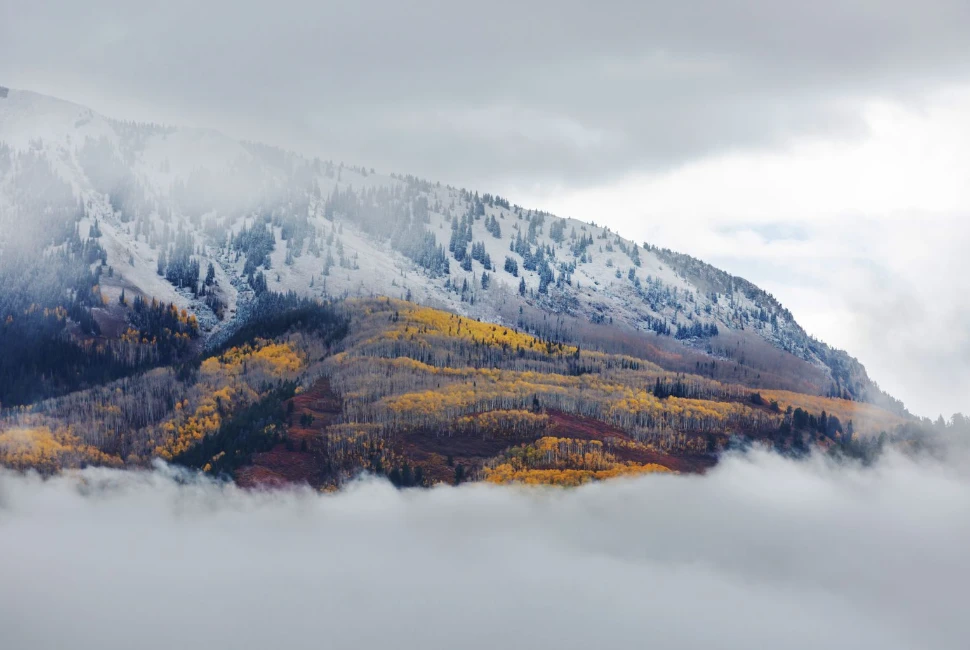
267,219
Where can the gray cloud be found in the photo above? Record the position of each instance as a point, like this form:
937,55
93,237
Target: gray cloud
474,94
760,553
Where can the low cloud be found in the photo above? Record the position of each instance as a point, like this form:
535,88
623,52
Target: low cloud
760,553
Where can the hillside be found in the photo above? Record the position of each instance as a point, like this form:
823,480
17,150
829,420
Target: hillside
421,396
177,200
130,252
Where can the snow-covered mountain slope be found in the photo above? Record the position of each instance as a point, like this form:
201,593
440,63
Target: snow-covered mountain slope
166,203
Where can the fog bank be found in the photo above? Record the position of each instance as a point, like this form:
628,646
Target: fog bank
762,552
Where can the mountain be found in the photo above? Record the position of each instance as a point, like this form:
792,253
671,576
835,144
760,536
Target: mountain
130,246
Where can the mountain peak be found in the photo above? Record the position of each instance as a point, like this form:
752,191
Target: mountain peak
164,198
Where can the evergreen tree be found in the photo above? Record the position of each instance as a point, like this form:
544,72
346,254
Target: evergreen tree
511,267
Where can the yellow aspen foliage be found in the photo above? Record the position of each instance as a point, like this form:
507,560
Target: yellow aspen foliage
414,321
562,461
228,381
46,450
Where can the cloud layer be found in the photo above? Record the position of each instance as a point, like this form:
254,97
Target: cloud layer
479,94
762,553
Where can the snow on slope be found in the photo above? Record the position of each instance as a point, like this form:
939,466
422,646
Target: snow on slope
27,117
166,180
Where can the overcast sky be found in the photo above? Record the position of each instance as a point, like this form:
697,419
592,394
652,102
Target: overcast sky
819,149
762,552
